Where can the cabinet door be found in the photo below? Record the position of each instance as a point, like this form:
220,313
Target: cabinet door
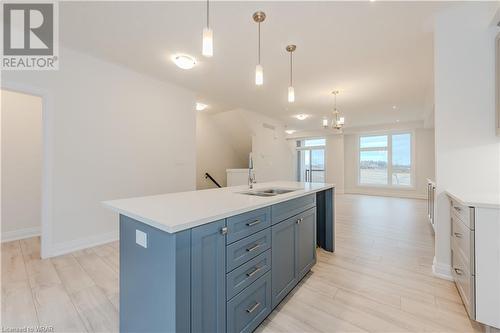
305,242
208,278
284,272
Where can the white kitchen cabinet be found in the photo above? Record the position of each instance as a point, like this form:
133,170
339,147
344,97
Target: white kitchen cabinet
475,253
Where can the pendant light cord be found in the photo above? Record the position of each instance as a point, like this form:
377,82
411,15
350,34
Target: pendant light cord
259,43
208,14
291,69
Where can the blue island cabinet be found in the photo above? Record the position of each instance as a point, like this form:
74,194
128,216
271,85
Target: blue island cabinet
223,276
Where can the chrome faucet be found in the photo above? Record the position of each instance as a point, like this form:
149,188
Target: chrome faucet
251,174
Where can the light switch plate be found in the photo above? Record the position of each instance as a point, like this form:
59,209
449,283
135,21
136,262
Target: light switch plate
141,238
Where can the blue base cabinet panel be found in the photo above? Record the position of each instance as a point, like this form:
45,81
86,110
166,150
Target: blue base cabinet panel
284,272
293,252
325,215
305,242
250,307
154,280
208,278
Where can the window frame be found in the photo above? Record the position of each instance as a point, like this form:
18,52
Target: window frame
389,135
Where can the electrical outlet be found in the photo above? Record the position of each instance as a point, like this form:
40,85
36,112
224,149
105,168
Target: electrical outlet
141,238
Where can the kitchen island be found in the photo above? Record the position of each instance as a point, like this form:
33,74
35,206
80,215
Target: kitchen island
218,260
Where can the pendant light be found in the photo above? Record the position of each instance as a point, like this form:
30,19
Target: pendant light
208,37
291,91
338,121
259,17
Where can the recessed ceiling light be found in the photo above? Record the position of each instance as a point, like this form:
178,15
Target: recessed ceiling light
184,61
394,107
301,116
397,120
200,106
290,131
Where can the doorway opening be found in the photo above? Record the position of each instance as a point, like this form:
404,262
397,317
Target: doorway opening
21,165
311,160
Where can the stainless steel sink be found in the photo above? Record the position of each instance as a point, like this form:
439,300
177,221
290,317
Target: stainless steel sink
268,192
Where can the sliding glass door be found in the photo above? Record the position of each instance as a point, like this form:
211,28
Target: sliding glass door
311,161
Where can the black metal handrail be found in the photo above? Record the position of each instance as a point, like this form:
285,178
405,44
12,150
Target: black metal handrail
207,176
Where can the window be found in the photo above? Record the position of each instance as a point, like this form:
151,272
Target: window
385,160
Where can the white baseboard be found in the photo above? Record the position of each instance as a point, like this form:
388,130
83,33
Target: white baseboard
82,243
13,235
442,271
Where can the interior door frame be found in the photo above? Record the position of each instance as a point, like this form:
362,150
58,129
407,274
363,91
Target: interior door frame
47,160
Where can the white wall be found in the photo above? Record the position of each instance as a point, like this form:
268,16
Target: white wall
423,164
467,150
214,151
21,165
243,130
334,161
111,133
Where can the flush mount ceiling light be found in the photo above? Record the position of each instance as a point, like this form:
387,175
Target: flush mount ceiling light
208,37
301,116
290,131
291,91
259,17
184,61
200,106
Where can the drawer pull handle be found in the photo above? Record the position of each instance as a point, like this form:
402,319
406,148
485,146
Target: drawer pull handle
223,230
457,208
458,271
251,224
300,220
253,308
255,271
458,235
253,248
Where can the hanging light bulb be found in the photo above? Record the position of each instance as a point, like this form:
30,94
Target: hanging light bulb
208,37
259,17
325,122
291,90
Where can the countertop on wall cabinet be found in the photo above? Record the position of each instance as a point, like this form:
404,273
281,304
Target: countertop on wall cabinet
174,212
479,200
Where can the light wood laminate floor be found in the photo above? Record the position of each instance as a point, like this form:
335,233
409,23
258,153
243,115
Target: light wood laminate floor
378,280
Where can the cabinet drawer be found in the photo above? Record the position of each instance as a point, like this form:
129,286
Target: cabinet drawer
245,224
247,248
464,213
243,276
250,307
462,242
464,281
284,210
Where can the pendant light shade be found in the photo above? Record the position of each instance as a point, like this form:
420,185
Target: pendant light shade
259,75
259,17
291,94
291,90
208,37
208,42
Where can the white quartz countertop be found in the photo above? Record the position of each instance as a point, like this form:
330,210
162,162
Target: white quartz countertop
174,212
479,200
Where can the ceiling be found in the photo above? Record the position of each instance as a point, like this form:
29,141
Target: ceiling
378,54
